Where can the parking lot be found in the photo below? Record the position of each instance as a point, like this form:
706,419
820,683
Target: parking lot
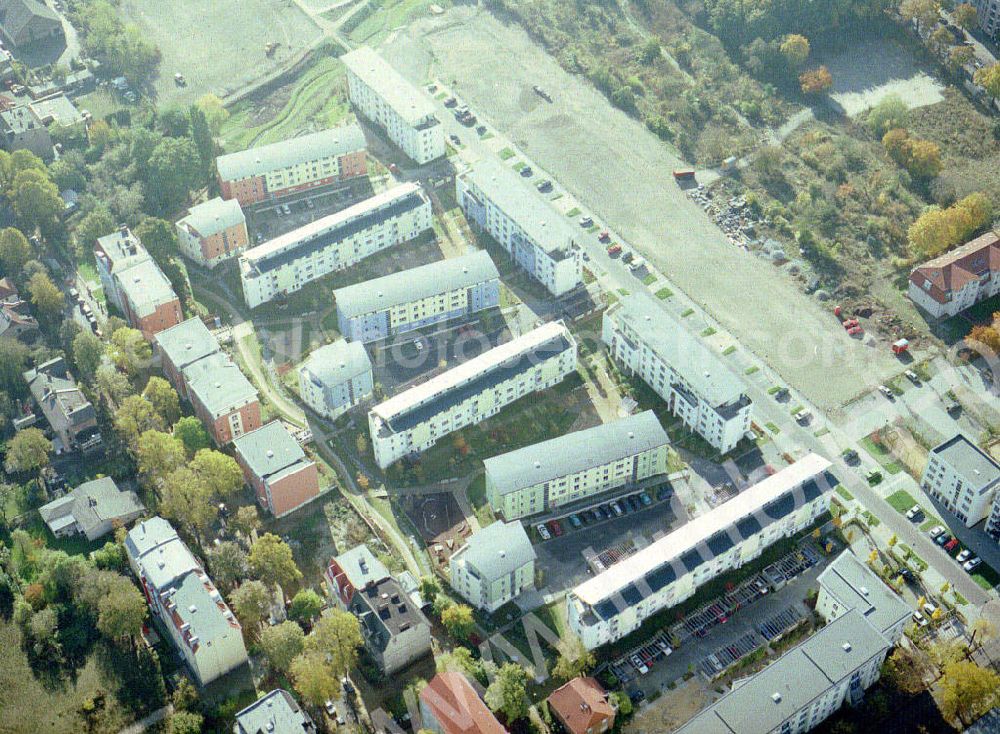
268,220
578,552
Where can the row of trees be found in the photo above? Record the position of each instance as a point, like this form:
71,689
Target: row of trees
938,228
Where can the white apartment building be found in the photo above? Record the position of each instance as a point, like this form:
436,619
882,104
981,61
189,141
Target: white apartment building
577,465
848,584
494,566
416,419
539,239
963,478
418,297
989,16
288,262
182,596
386,99
693,380
958,279
615,602
335,378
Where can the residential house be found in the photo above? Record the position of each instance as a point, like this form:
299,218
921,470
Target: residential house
958,279
71,416
24,23
582,706
276,468
92,510
22,129
180,347
450,705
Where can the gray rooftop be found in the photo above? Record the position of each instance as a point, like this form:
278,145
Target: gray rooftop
21,119
549,229
199,605
123,248
213,216
855,586
414,284
700,365
335,141
56,392
497,550
795,679
398,93
336,363
574,452
361,566
385,610
187,342
94,503
275,713
218,383
270,450
970,462
146,287
158,551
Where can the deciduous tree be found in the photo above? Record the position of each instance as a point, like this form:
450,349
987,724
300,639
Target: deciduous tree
458,620
112,383
163,398
190,432
966,16
337,636
229,563
185,498
281,644
312,678
574,659
967,691
815,81
271,561
46,298
134,417
251,601
507,694
158,454
306,606
28,451
129,350
220,472
88,352
14,251
795,49
246,520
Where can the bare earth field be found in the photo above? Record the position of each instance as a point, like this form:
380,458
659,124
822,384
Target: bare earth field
219,45
623,174
866,74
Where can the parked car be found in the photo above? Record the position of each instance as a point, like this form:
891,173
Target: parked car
639,665
971,565
914,512
929,609
450,102
526,172
632,502
330,708
543,531
645,499
555,527
614,249
912,377
951,544
575,521
920,619
604,236
616,508
544,186
664,647
600,513
455,139
637,696
586,221
887,391
942,539
935,531
964,555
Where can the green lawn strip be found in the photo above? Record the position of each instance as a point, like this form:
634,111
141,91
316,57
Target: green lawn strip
687,312
751,370
708,331
930,522
901,500
664,293
649,279
821,432
728,350
773,389
574,212
519,165
622,292
881,455
506,153
842,491
772,428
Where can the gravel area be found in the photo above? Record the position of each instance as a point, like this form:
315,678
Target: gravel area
622,172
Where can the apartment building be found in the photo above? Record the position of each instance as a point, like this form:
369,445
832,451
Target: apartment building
335,378
213,232
992,527
494,566
276,468
70,415
582,464
450,705
195,616
989,16
697,386
274,713
417,418
848,583
273,171
956,280
394,630
383,97
181,346
615,602
538,238
963,478
418,297
134,283
288,262
222,398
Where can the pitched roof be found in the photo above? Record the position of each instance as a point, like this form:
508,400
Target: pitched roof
160,554
275,713
17,17
336,363
405,286
581,704
57,393
270,450
186,343
951,271
94,503
218,383
457,707
335,141
497,550
404,98
574,452
361,567
200,605
213,216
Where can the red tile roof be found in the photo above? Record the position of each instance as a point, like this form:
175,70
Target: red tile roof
582,705
457,707
951,271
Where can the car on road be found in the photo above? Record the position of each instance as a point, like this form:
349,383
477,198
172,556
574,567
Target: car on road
586,221
450,102
920,619
963,555
639,665
971,565
604,236
543,531
936,531
887,391
914,513
544,186
526,172
912,377
803,417
942,539
907,575
951,405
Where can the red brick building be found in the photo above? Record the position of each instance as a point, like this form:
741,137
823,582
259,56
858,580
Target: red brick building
309,161
277,469
213,232
222,398
180,347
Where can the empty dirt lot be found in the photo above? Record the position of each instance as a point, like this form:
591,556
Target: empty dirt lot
623,173
219,45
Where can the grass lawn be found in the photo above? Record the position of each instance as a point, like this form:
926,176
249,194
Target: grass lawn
844,493
751,370
385,16
930,522
709,331
881,455
901,500
649,279
574,212
664,293
687,312
519,166
772,428
728,350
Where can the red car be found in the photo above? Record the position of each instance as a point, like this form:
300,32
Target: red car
604,236
555,527
951,544
614,249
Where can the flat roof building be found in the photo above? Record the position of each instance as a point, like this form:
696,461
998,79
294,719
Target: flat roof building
290,166
690,377
417,418
276,468
181,346
383,97
419,297
577,465
223,397
963,477
494,566
290,261
213,232
274,713
538,238
615,602
847,584
335,378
